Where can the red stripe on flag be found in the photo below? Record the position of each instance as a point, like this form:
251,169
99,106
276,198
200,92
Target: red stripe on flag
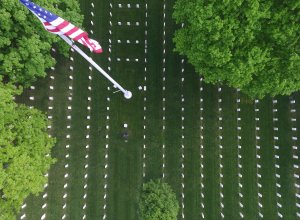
98,51
84,34
84,42
53,30
73,30
63,25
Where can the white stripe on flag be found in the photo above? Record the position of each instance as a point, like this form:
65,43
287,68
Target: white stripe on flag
50,27
57,21
68,28
76,33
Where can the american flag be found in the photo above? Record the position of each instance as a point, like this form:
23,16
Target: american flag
57,25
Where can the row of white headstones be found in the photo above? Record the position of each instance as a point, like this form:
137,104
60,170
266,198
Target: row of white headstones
295,153
163,89
145,83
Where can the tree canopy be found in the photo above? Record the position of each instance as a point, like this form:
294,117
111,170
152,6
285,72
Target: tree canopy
25,149
158,202
253,45
24,44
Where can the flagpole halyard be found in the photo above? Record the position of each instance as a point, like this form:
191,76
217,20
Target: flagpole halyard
127,94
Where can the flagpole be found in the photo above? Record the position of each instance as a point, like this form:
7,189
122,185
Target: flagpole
127,94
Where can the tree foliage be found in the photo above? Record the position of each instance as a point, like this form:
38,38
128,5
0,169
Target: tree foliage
24,44
253,45
24,152
158,202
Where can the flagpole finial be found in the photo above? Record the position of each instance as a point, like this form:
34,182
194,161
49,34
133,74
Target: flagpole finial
128,94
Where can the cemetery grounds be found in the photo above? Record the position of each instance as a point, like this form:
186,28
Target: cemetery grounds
225,156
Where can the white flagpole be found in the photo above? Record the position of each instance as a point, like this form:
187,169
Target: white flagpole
127,94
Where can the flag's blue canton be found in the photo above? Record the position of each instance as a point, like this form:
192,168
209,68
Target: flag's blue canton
41,12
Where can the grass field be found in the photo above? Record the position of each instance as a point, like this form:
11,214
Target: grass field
224,155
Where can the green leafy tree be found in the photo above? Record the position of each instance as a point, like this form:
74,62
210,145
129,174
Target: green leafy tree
24,44
248,44
158,202
25,149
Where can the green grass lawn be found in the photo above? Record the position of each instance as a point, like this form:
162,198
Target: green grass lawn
230,152
248,160
144,116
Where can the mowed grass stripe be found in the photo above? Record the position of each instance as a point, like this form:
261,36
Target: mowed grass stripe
173,134
125,173
59,129
191,142
173,109
287,189
248,160
230,153
78,141
95,190
154,93
131,15
211,172
267,160
78,131
297,143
